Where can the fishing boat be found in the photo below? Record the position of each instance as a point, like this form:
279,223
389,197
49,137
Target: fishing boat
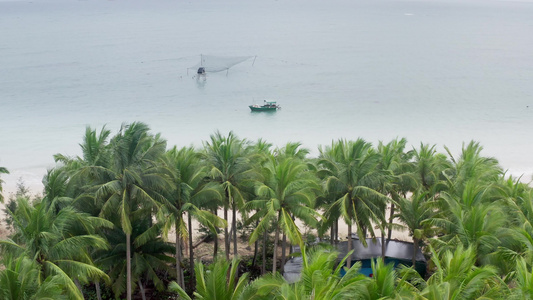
267,106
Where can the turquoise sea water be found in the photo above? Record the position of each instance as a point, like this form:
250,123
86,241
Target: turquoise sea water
439,72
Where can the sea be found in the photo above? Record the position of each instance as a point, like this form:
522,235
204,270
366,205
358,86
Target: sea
442,72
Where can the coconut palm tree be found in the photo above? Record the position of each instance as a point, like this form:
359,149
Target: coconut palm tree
517,239
396,164
294,151
516,197
95,150
229,165
383,282
55,190
472,220
187,173
217,282
291,150
287,192
516,243
457,277
431,168
472,166
78,187
2,171
523,281
133,181
260,154
331,218
354,176
84,173
150,256
19,280
416,213
50,241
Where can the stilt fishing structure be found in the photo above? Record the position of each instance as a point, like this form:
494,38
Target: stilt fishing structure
212,63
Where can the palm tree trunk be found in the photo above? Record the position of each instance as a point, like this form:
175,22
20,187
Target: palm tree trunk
264,250
283,250
215,246
179,270
143,293
128,266
256,246
336,231
192,278
98,290
78,285
349,260
383,244
230,232
389,235
234,225
332,234
226,234
276,238
185,247
291,250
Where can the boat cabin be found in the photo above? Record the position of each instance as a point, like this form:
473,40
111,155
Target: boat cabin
270,104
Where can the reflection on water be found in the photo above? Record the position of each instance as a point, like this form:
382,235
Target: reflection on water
267,112
201,80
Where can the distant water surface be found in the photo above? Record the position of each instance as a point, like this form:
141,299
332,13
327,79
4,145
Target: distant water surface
438,72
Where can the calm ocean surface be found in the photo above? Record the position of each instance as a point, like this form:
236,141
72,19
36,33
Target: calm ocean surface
439,72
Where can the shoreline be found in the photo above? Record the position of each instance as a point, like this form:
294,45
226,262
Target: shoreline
36,190
32,179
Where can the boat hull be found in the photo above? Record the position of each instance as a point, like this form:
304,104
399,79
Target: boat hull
253,108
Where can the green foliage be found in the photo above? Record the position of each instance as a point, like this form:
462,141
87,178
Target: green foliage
457,277
89,292
218,281
320,279
150,256
22,192
21,280
105,214
244,230
523,281
432,169
355,180
49,240
2,171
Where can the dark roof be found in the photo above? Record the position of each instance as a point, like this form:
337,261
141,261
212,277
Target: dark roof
293,269
394,249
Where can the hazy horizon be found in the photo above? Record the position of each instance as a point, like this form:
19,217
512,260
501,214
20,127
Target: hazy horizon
437,72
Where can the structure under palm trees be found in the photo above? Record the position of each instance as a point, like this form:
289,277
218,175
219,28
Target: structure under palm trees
397,253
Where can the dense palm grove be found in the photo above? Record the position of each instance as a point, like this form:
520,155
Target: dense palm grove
100,229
